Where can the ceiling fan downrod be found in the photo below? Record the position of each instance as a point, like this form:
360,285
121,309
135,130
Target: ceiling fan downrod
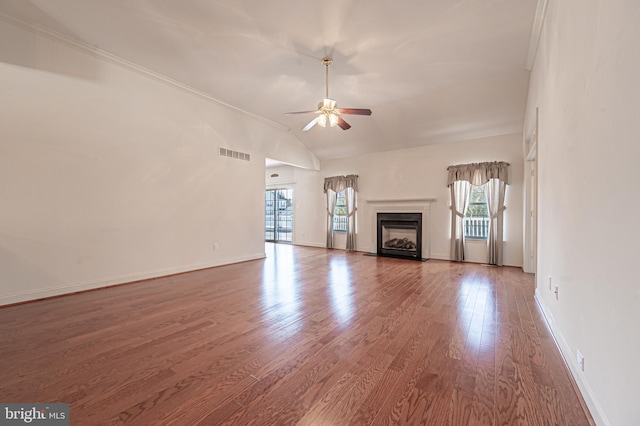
327,62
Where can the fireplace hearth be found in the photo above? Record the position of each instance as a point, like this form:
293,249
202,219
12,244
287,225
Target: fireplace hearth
399,235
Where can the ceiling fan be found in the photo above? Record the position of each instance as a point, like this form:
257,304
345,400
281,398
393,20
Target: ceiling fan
327,111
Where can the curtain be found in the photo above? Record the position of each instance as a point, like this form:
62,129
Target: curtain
350,195
333,185
460,179
338,183
478,173
331,204
460,191
496,189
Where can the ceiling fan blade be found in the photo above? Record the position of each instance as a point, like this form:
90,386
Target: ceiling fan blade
300,112
343,124
356,111
310,125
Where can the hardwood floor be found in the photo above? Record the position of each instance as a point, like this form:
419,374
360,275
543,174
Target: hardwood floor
307,336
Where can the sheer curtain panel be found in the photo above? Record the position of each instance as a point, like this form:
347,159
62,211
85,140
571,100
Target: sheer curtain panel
495,202
351,221
460,191
331,205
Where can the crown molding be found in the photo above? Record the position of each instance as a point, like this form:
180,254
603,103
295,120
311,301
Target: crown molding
131,66
536,32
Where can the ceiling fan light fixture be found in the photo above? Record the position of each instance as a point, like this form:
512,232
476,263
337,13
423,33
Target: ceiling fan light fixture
328,112
333,119
327,118
328,103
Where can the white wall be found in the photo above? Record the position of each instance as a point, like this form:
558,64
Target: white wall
585,84
413,173
108,175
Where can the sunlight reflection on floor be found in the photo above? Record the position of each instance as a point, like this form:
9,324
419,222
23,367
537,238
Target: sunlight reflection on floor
280,292
282,297
476,310
340,290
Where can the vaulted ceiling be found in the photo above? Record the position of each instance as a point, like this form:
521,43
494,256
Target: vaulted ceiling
432,71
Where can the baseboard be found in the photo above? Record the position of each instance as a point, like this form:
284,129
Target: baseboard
307,244
439,256
583,386
108,282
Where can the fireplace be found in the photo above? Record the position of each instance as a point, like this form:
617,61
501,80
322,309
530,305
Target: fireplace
400,235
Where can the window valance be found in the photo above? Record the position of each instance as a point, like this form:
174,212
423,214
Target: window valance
338,183
478,173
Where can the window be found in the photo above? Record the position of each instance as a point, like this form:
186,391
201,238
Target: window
279,215
476,218
340,217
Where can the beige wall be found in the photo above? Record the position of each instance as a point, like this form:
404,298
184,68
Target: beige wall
586,87
412,173
108,175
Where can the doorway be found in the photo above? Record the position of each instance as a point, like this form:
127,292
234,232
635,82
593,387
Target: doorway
278,226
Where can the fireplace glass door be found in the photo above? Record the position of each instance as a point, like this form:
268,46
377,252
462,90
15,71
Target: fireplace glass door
400,235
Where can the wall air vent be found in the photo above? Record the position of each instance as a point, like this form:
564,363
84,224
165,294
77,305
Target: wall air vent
224,152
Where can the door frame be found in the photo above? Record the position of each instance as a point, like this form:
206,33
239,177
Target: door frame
531,203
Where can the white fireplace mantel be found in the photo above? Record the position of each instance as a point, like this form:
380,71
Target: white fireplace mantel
402,201
402,205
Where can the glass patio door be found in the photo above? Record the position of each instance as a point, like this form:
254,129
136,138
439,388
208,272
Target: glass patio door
278,225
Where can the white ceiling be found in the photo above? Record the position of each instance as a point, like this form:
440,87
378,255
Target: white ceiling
432,71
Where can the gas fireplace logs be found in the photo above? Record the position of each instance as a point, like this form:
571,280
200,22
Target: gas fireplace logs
400,244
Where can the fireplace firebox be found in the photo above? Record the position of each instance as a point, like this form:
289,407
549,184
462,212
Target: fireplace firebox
400,235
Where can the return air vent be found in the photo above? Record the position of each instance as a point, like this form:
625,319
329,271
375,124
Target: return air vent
224,152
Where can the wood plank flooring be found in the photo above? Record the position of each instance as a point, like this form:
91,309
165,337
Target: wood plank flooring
306,336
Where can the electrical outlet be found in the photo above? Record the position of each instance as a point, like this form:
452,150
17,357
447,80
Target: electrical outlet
216,246
580,360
